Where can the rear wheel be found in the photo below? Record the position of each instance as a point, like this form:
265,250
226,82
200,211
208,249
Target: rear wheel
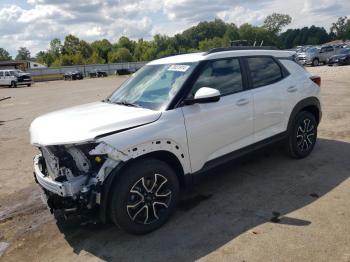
145,195
302,135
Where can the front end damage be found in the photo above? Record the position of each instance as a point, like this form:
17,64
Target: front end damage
72,176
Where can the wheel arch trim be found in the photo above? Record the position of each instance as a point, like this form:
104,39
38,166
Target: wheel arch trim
307,102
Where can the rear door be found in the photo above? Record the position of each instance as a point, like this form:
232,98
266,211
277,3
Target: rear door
326,53
268,89
218,128
2,78
7,78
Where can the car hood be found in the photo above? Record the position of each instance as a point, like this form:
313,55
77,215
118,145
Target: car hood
83,123
23,74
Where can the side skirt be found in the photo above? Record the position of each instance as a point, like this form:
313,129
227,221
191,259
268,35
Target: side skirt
235,154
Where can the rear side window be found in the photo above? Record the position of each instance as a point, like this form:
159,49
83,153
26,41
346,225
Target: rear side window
223,75
1,73
264,71
7,73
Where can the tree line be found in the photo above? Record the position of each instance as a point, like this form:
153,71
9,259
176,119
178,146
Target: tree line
202,37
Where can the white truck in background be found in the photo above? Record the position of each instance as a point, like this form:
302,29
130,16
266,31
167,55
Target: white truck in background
14,77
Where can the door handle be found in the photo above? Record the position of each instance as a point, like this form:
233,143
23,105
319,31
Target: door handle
242,101
292,89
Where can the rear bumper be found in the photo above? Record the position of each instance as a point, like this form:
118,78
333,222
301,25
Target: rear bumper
64,189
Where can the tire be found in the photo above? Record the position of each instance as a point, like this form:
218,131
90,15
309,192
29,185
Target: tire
29,85
302,135
315,62
13,84
144,196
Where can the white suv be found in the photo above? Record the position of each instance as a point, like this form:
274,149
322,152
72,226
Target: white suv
128,156
14,77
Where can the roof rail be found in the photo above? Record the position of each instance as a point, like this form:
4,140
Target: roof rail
235,48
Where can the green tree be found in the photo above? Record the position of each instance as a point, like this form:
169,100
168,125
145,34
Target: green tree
102,47
23,54
55,47
63,60
120,55
208,44
44,58
275,22
70,45
341,28
95,59
126,43
231,34
306,36
4,55
85,49
145,50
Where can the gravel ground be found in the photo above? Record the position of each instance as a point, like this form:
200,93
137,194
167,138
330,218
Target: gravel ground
264,207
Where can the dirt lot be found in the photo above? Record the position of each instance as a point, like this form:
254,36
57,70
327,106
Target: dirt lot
265,207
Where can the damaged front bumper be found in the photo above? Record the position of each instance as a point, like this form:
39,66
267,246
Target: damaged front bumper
72,189
64,189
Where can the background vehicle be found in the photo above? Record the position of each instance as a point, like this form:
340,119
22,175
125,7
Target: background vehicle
122,72
14,77
309,56
343,58
98,73
317,55
129,155
74,75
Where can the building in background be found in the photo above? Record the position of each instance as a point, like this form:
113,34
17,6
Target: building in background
20,64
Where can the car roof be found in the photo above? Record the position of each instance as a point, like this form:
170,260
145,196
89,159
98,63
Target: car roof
202,56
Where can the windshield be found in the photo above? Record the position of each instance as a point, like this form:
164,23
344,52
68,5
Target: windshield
312,50
345,51
153,86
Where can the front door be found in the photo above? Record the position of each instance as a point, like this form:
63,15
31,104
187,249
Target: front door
218,128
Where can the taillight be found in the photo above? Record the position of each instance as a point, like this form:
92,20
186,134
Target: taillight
316,80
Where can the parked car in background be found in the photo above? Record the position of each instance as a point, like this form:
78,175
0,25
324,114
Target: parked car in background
98,73
317,55
309,56
15,77
74,75
343,58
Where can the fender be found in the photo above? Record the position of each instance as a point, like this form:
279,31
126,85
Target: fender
310,101
105,182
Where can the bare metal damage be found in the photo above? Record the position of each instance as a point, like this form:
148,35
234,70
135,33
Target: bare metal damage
85,182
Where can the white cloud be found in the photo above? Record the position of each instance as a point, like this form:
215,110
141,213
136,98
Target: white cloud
36,22
240,15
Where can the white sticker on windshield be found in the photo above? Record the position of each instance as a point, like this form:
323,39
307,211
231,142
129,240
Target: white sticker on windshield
179,68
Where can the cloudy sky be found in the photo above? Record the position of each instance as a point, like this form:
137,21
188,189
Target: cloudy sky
33,23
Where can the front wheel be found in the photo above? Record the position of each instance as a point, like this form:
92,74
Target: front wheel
145,195
315,62
302,135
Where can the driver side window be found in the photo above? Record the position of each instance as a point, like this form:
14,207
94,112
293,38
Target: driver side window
223,75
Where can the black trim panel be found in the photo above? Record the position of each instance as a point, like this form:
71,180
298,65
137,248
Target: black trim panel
238,153
310,101
122,130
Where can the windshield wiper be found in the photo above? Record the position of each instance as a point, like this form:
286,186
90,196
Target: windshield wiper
125,103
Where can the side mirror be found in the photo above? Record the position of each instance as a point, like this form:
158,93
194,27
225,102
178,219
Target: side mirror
204,95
